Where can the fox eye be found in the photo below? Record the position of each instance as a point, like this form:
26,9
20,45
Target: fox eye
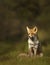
28,33
32,33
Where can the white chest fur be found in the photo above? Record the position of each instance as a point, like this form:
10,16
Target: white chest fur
32,43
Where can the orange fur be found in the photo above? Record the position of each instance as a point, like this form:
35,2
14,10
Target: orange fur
32,31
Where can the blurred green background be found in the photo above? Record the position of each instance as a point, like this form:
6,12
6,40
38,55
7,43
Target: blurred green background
15,15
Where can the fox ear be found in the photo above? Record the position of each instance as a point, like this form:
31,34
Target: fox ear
27,29
35,29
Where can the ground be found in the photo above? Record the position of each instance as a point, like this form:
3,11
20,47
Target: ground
9,54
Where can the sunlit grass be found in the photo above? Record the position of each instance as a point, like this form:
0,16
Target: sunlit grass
11,57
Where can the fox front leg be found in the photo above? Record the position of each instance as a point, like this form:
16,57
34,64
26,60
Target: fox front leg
35,52
30,52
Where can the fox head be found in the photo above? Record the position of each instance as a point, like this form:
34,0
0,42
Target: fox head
32,31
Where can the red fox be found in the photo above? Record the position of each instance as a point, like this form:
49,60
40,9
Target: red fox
34,45
33,41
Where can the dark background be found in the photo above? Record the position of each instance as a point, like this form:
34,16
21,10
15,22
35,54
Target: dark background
15,15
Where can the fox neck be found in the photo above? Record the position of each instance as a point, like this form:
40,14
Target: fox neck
33,38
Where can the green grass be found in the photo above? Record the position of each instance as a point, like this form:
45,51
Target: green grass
9,55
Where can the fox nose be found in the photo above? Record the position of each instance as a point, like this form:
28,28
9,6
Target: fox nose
30,35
